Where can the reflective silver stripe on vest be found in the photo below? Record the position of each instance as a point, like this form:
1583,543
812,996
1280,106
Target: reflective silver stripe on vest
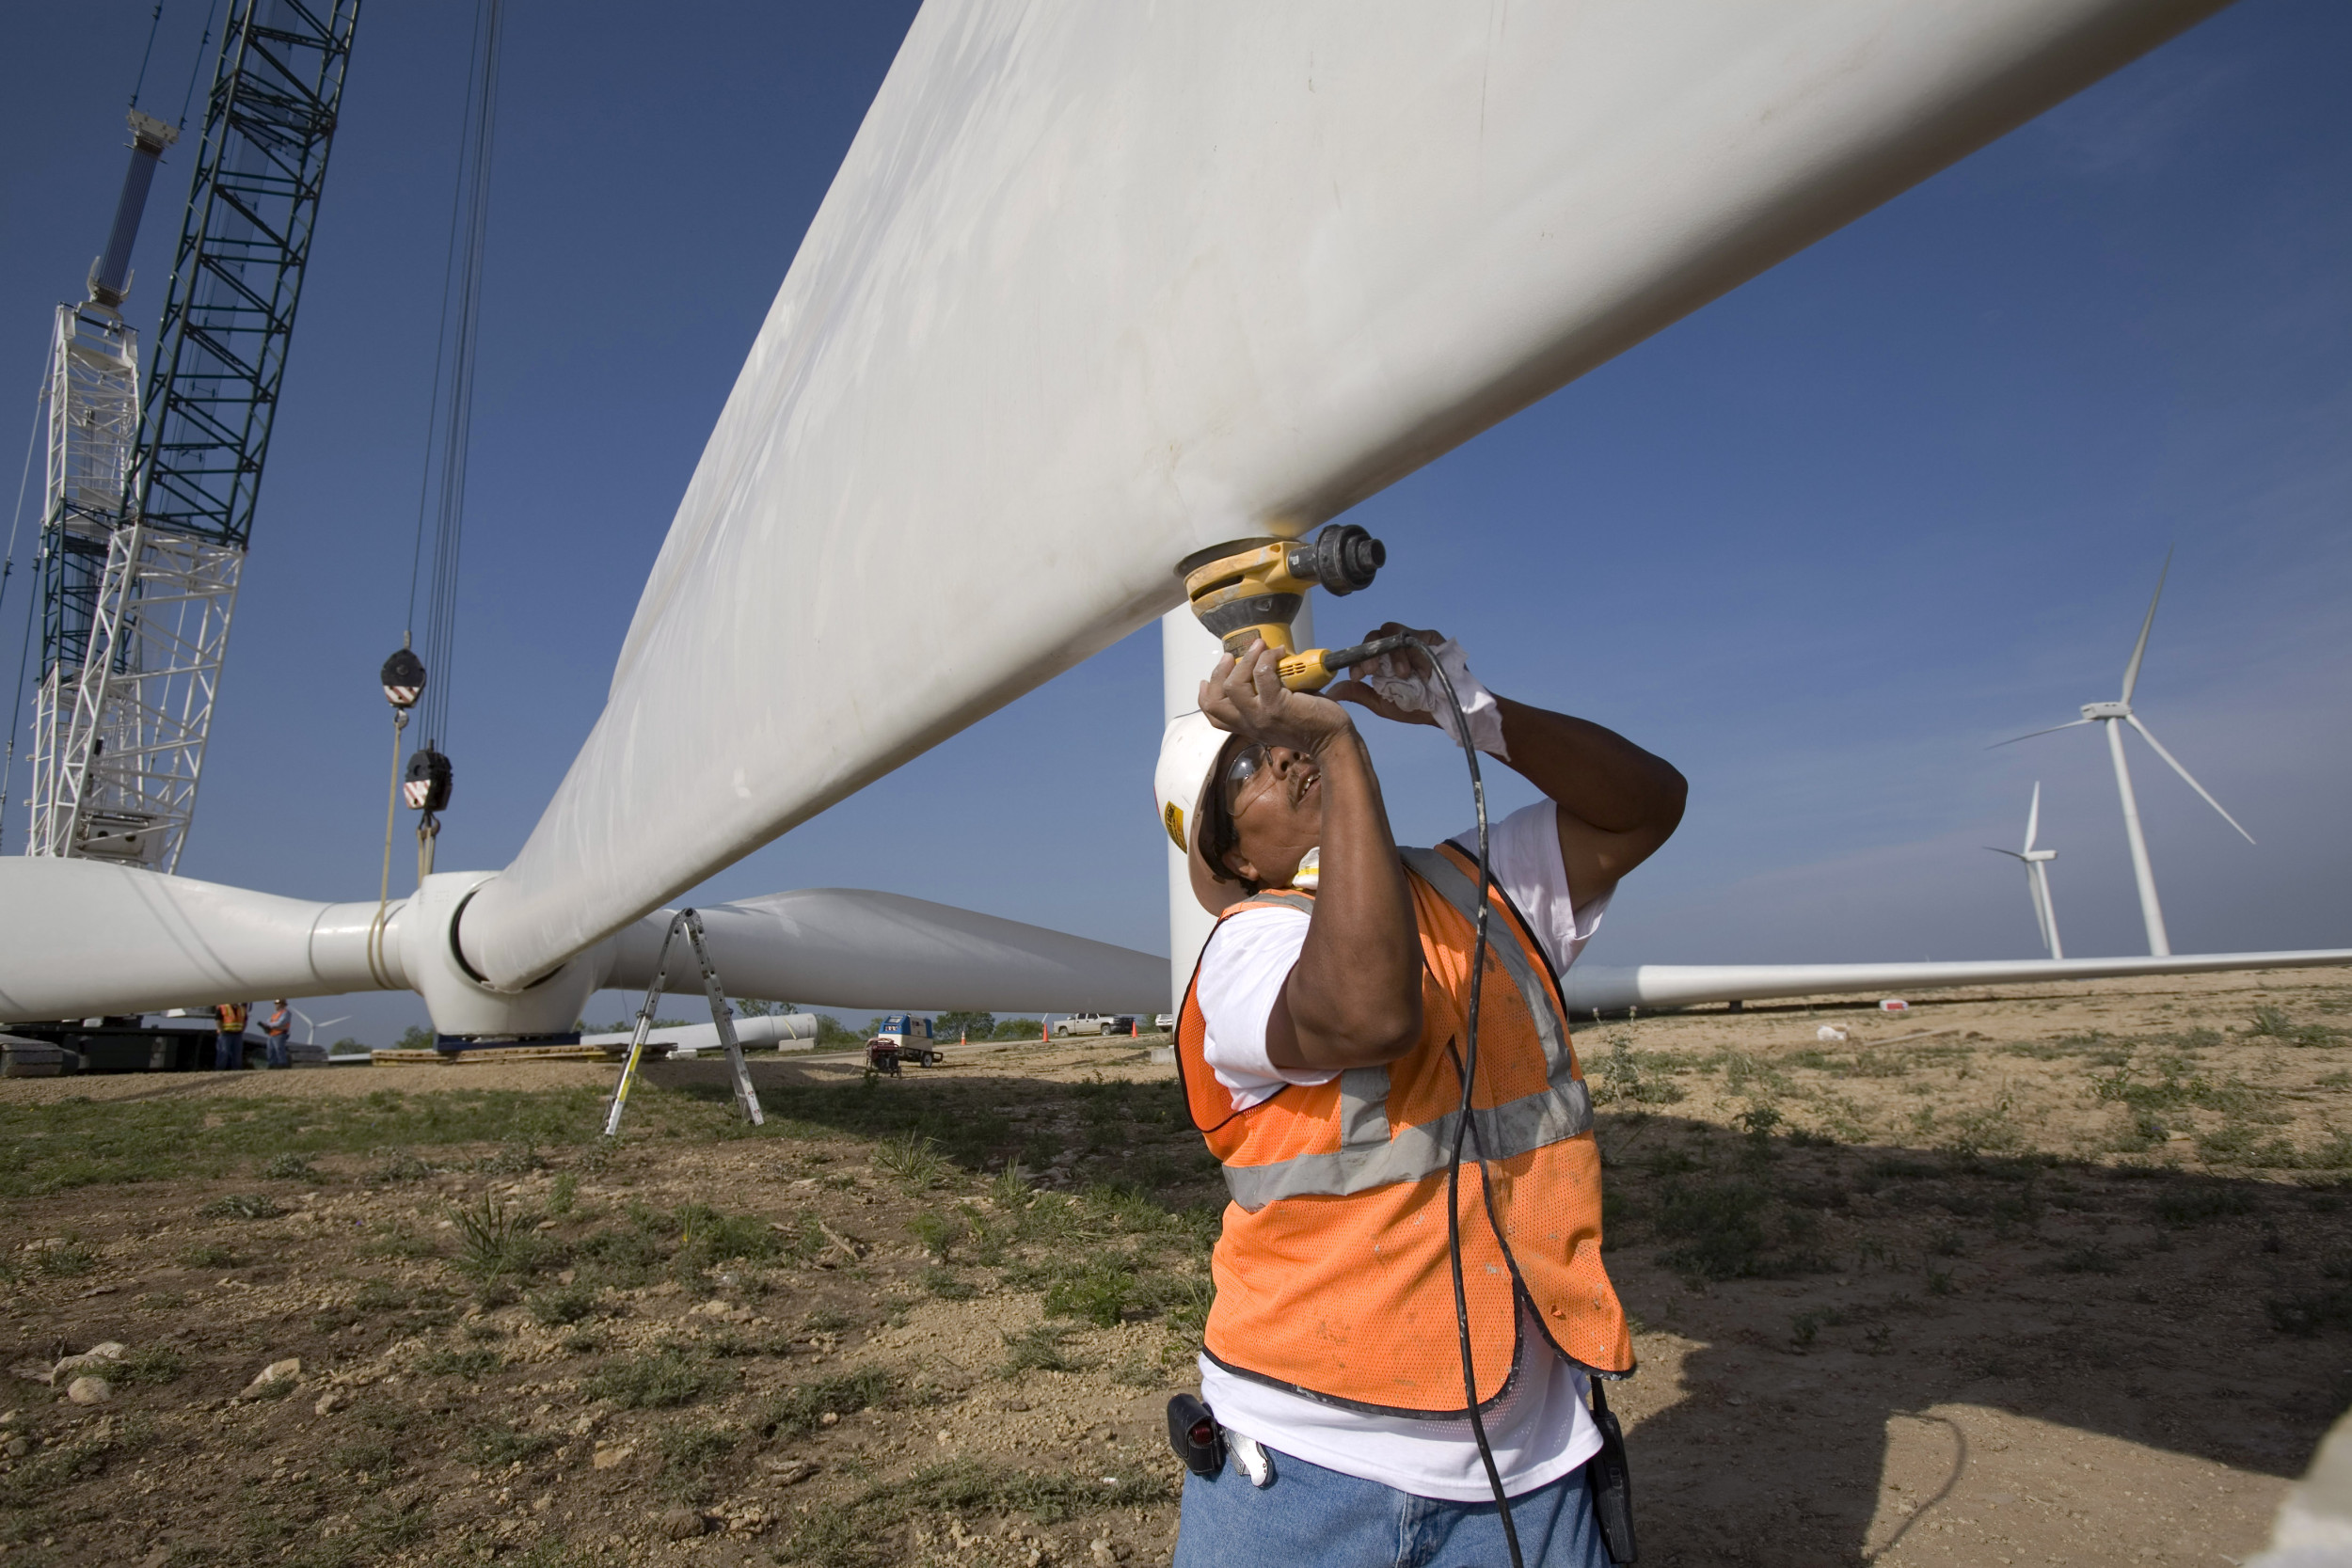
1369,1156
1447,881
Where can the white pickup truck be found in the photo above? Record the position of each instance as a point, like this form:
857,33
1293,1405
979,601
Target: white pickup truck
1093,1024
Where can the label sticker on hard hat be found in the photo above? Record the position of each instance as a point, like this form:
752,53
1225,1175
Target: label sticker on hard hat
1174,817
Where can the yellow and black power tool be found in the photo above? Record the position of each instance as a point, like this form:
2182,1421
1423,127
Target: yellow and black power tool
1250,589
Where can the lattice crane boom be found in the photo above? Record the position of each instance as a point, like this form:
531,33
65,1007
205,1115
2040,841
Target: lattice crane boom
138,594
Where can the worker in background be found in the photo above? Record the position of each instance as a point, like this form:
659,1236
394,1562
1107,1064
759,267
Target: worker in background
275,1029
229,1040
1320,1048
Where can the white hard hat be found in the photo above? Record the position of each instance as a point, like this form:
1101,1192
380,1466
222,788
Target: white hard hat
1189,749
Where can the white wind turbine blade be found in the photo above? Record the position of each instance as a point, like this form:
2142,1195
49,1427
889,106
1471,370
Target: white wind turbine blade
2073,724
1591,987
2033,892
849,948
2033,816
1098,285
80,938
2139,649
310,1026
2133,719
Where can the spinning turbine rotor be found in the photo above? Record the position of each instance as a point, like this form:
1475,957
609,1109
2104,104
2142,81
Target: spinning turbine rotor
2112,715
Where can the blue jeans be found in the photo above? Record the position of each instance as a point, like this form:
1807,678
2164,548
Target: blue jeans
1312,1515
278,1055
228,1052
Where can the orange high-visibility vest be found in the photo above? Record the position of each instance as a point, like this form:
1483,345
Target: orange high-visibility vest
1332,1271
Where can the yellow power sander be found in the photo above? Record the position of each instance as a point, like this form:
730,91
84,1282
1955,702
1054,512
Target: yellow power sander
1250,590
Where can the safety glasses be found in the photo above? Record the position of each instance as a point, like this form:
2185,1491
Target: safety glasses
1247,764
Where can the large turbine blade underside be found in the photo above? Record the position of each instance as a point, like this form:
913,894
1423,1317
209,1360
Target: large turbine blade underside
1098,285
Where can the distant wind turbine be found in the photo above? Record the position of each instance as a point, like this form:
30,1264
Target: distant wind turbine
311,1027
2110,714
2037,864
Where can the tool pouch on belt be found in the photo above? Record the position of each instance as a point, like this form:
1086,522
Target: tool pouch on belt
1611,1481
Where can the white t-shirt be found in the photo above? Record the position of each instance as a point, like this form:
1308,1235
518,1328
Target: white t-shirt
1541,1430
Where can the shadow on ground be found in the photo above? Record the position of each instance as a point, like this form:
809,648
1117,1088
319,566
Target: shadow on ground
1845,1342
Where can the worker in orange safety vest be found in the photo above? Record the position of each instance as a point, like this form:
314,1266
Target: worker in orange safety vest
1322,1044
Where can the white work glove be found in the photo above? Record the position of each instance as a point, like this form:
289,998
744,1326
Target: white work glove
1397,680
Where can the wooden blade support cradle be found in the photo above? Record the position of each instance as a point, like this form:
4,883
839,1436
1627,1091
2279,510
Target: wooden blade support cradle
746,1097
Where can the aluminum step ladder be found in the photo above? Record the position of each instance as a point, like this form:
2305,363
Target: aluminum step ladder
746,1097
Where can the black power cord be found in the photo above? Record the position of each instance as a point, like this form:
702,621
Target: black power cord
1462,1119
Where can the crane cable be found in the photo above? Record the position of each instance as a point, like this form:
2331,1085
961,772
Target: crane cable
449,419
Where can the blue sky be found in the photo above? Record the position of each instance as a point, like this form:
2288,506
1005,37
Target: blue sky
1820,543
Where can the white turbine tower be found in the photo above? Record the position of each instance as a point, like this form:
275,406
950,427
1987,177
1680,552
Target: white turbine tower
2120,712
2037,864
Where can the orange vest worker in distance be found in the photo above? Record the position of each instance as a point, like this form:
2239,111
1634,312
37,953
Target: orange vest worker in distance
1332,1271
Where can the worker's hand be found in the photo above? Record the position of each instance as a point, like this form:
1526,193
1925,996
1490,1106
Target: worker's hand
1401,686
1247,696
1406,663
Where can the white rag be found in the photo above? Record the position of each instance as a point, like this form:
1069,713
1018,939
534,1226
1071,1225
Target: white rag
1402,686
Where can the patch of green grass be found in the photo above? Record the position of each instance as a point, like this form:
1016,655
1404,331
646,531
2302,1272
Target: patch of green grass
240,1206
147,1365
858,1534
211,1255
1721,1225
497,1447
493,1242
1987,1130
802,1408
707,1236
393,1239
1038,1348
563,1193
2273,1023
290,1168
566,1304
380,1295
394,1166
2174,1088
1098,1293
912,1160
64,1259
450,1361
30,1482
697,1448
372,1456
661,1380
624,1258
936,1232
512,1158
1806,1326
1626,1076
57,1145
946,1285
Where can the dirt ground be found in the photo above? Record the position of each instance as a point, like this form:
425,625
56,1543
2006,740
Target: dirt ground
2031,1277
